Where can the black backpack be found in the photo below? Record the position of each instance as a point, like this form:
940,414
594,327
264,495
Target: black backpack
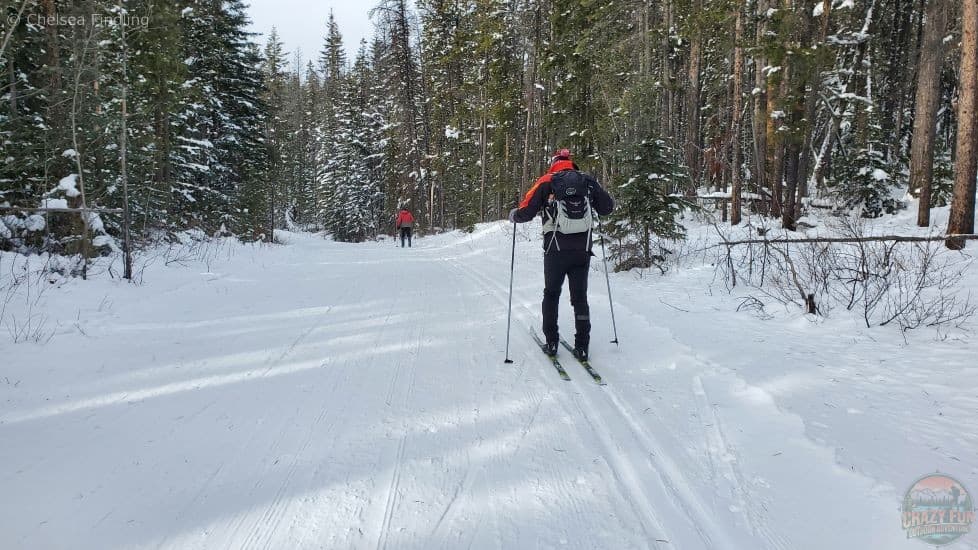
571,208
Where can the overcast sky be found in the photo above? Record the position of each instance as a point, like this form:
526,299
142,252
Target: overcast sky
301,24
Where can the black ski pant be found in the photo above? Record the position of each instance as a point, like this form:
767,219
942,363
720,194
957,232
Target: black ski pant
406,233
574,265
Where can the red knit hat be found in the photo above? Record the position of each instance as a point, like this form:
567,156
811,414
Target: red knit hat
561,154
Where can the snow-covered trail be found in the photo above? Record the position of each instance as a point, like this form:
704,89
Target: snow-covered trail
337,396
324,395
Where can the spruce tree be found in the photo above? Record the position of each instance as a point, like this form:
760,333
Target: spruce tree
647,204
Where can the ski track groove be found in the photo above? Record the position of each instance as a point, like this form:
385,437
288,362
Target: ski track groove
464,483
200,494
717,439
392,489
550,385
464,486
622,469
197,497
254,528
276,513
663,466
288,351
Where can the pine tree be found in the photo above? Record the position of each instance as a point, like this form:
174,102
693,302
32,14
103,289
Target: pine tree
646,203
278,133
396,64
332,64
233,120
351,214
22,113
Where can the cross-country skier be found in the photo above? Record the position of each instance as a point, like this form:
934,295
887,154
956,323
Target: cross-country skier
404,222
570,201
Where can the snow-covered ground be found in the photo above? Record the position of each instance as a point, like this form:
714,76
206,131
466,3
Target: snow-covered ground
327,395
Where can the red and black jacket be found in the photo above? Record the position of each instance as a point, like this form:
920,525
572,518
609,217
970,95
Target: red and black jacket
539,195
404,219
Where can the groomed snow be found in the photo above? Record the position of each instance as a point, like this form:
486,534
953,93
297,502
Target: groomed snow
326,395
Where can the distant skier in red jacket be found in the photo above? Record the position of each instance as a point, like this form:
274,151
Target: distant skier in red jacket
404,222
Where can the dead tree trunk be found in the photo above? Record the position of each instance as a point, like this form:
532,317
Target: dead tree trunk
760,101
966,164
736,109
927,103
693,109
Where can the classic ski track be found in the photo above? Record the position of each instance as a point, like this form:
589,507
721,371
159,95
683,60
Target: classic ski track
199,495
732,472
271,363
274,511
464,486
388,399
395,483
391,499
551,386
272,517
276,507
385,527
254,527
194,500
464,483
674,481
621,468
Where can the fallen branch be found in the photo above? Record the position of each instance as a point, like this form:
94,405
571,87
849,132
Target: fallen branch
880,238
61,210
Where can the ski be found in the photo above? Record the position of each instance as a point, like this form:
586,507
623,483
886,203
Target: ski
584,363
553,358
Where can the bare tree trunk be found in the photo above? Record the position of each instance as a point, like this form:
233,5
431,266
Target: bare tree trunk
901,67
123,143
667,115
775,143
645,61
966,163
736,108
12,72
797,77
927,103
805,163
482,160
530,93
792,169
760,102
693,108
81,49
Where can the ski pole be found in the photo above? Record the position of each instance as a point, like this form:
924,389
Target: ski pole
509,316
604,257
